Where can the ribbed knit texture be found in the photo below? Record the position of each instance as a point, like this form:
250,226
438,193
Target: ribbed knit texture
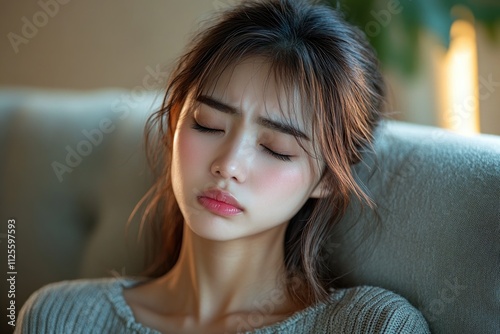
98,306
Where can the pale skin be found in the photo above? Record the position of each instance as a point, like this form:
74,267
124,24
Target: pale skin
229,267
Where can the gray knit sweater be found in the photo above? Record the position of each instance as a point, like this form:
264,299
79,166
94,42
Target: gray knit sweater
98,306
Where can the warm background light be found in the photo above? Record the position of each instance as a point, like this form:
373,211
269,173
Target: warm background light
461,101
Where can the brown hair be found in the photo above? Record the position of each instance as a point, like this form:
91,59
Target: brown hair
310,48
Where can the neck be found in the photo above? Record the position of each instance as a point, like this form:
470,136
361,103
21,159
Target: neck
217,278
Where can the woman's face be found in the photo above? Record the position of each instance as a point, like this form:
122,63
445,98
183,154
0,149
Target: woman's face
237,169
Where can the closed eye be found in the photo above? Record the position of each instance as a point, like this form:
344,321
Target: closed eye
204,129
282,157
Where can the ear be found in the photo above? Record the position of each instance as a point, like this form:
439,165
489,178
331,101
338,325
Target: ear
321,190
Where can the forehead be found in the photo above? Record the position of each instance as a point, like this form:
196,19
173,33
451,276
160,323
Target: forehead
251,85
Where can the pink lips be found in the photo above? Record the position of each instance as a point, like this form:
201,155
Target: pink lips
220,202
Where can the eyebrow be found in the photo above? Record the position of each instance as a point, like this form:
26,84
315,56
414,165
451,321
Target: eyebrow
268,123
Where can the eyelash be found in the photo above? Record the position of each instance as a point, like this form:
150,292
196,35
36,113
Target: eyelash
202,129
282,157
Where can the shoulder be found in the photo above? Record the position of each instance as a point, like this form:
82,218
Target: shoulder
68,306
371,309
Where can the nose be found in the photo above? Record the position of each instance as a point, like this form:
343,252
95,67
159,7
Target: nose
232,160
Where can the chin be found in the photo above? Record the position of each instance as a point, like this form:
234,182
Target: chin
213,229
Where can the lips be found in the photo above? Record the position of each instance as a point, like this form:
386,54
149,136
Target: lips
220,202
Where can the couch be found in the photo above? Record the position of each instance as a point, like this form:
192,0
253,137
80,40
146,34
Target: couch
73,168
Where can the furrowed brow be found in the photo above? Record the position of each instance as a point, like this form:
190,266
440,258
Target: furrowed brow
282,127
268,123
218,105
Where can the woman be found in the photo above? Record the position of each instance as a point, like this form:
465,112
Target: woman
262,119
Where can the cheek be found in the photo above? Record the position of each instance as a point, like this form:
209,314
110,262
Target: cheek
188,149
286,181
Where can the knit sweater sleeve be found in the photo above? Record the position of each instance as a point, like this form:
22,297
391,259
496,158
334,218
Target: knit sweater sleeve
70,307
364,309
373,310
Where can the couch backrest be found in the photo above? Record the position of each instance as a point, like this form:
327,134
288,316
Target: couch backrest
73,168
438,239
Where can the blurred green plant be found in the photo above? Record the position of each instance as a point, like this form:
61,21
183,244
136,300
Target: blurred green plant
393,26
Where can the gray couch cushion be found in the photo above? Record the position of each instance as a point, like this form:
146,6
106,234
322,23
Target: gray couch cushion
438,239
73,225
